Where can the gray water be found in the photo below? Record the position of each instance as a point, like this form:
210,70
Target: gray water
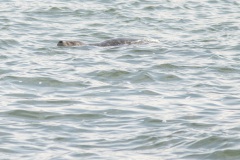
175,99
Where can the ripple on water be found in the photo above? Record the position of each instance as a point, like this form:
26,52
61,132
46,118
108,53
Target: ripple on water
176,97
9,43
41,82
111,74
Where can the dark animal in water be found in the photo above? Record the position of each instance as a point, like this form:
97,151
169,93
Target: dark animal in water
111,42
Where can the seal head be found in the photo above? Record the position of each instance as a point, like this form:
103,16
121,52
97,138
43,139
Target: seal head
70,43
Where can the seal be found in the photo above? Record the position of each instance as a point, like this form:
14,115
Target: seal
111,42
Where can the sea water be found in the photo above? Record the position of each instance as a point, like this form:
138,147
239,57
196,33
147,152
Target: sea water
175,99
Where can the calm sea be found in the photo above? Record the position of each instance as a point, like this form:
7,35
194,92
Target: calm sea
175,99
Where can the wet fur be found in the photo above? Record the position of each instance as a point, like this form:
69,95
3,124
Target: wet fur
111,42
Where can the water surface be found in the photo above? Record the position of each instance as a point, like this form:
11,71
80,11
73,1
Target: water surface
176,99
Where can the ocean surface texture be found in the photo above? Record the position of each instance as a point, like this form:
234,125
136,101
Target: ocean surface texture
175,98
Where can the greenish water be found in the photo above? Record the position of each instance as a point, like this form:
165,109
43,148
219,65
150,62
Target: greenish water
177,99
